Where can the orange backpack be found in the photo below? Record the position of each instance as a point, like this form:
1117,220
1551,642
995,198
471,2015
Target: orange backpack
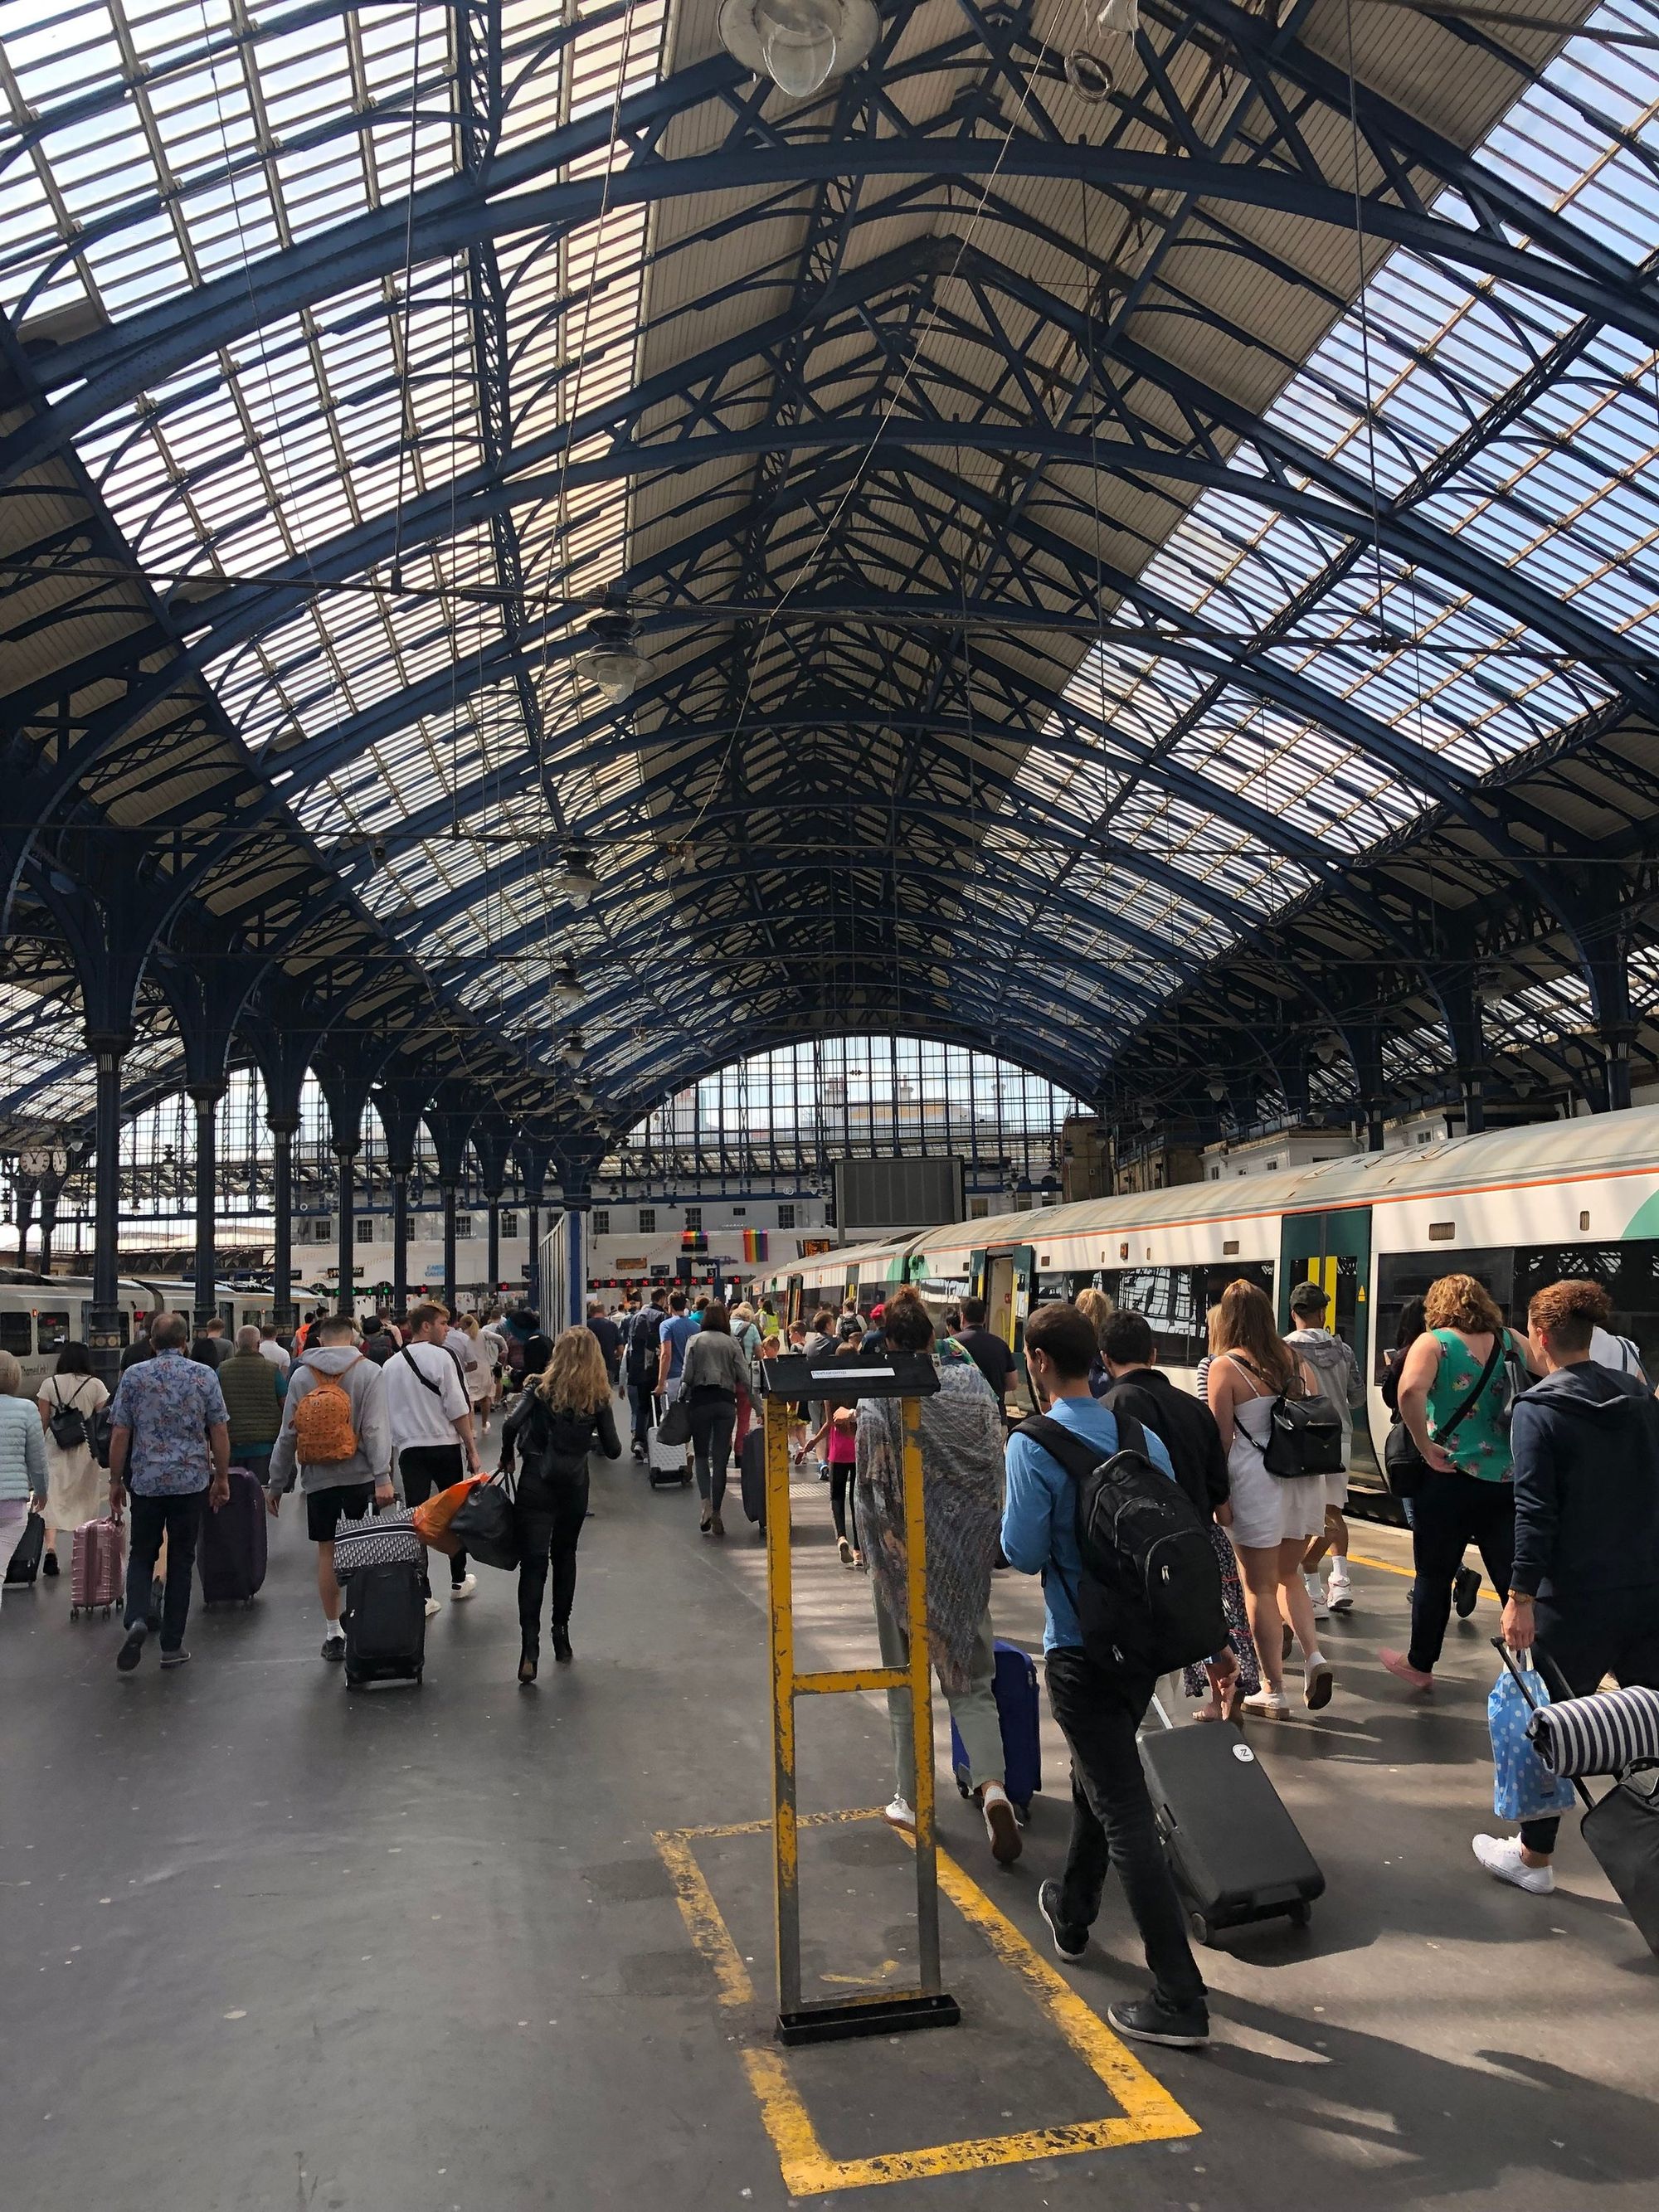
322,1430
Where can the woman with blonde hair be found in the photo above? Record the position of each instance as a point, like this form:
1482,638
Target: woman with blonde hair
480,1370
1455,1385
561,1414
1272,1516
22,1460
1097,1307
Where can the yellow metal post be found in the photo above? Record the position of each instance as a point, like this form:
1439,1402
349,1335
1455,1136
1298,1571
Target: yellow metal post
878,2012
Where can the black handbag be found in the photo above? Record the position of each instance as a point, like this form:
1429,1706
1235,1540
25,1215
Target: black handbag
486,1528
24,1564
1304,1436
675,1426
1404,1468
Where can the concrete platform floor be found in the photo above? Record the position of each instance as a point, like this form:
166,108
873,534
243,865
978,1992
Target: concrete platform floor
270,1947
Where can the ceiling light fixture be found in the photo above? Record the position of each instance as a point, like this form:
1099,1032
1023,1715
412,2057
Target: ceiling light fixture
570,1052
611,659
567,986
578,877
800,43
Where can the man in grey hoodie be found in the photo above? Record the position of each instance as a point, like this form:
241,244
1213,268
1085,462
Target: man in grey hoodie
334,1489
1337,1371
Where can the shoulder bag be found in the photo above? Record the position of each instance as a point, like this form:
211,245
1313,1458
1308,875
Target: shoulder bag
1404,1468
1305,1435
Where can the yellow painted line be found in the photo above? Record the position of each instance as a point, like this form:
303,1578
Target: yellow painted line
1147,2112
1387,1567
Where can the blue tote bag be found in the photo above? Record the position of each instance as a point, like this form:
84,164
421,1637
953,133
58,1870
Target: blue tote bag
1523,1788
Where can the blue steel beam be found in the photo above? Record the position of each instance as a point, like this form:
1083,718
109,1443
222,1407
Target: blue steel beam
147,349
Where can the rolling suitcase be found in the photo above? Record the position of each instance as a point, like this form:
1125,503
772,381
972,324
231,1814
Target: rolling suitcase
231,1552
384,1624
1235,1854
97,1569
24,1564
663,1464
1015,1688
751,1478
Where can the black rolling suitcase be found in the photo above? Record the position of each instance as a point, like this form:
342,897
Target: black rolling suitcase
751,1477
1235,1854
384,1624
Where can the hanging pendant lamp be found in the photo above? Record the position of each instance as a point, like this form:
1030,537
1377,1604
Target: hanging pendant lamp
800,43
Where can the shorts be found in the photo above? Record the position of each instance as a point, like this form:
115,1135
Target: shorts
326,1509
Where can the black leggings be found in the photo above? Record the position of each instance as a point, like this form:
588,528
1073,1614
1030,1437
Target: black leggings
550,1511
840,1500
1452,1512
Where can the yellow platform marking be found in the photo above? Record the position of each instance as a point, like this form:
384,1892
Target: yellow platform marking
1147,2112
1387,1567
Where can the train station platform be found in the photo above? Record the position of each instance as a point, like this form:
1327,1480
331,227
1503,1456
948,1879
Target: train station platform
271,1947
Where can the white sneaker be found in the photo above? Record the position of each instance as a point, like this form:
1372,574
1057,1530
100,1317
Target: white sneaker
900,1814
432,1607
1272,1705
1341,1589
1315,1590
1501,1857
464,1588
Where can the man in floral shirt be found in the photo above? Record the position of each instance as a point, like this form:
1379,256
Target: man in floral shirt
170,1444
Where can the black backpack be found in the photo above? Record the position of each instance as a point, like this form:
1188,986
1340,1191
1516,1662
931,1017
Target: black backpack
1150,1595
644,1342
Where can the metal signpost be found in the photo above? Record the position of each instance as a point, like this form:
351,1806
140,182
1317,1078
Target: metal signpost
909,1376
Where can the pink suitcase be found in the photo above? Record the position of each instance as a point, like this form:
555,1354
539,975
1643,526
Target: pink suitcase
97,1568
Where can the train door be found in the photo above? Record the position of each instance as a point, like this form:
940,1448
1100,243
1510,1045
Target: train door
1335,1251
793,1297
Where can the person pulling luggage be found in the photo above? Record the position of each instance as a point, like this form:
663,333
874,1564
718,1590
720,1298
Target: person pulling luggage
1099,1708
560,1417
334,1437
1584,1585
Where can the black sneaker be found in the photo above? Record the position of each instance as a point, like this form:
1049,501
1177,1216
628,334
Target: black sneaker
334,1646
1466,1591
133,1650
1070,1943
178,1658
49,1566
1147,2020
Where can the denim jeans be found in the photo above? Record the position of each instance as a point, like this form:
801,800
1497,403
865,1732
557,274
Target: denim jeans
1112,1818
179,1520
713,1418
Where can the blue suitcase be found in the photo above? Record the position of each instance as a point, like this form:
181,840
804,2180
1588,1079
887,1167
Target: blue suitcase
1015,1686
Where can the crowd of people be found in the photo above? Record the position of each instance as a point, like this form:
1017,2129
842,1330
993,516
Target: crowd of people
1538,1449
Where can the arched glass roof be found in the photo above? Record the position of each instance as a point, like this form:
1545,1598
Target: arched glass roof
1132,584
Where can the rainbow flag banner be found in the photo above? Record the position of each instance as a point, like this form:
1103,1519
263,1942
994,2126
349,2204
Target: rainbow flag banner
694,1240
754,1244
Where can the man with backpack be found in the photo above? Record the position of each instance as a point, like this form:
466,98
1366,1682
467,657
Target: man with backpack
1103,1652
1337,1371
335,1436
644,1350
431,1423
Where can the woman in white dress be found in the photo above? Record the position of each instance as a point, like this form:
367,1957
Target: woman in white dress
1272,1517
77,1488
480,1371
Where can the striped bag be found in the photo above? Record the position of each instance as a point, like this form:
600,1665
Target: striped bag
390,1539
1599,1735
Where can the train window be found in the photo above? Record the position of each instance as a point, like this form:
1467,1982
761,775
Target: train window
1177,1301
1404,1275
51,1331
16,1334
1629,1274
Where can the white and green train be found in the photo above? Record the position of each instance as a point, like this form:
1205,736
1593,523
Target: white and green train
1516,1209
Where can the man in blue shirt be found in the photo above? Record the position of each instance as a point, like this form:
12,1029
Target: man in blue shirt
677,1332
170,1444
1099,1709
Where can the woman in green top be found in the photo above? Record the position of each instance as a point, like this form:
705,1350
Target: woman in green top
1457,1411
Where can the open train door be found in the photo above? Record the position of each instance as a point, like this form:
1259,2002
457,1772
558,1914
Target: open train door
1335,1251
1009,1279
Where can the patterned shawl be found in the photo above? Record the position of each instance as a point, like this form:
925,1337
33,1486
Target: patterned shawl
962,1451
